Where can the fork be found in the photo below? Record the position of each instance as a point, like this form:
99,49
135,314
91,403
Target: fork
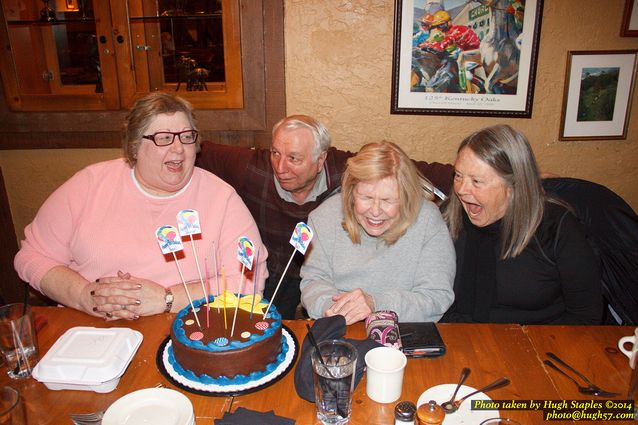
591,389
94,418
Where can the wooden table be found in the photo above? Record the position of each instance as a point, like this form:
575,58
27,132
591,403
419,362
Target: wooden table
491,351
592,350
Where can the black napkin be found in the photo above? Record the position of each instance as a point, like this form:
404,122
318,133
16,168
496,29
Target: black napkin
243,416
333,327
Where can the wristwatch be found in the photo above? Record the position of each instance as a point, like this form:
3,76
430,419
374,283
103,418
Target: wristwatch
168,299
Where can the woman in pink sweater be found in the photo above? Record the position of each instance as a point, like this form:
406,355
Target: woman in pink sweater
92,246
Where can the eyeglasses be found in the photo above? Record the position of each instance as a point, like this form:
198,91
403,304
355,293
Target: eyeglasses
165,138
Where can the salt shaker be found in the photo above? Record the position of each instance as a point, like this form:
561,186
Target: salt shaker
404,413
430,413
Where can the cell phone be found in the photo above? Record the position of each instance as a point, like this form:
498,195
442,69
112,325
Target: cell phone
421,339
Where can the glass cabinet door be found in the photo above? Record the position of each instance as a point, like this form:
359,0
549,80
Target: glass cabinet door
62,54
84,55
191,47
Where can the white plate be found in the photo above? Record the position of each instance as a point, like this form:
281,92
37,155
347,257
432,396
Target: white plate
157,406
465,415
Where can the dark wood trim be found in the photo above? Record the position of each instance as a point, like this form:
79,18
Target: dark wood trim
262,35
11,287
275,72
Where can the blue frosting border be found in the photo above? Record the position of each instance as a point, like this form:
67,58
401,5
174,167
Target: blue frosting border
179,332
223,380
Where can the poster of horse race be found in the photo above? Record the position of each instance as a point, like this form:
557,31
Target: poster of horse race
465,57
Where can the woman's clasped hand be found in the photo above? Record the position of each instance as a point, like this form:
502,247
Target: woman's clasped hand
120,297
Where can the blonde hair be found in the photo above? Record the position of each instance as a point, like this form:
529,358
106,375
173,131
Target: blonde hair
508,152
142,114
377,161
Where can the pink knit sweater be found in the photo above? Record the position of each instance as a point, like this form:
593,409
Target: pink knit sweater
100,221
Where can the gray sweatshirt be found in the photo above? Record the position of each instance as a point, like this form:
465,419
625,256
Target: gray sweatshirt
413,277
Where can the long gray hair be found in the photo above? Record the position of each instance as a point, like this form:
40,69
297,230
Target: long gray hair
508,152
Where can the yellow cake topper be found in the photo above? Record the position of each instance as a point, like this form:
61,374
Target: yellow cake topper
229,300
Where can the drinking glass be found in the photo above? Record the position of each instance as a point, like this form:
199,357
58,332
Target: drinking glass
18,341
11,407
334,369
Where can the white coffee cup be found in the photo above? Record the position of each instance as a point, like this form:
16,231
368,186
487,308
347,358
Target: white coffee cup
631,354
384,374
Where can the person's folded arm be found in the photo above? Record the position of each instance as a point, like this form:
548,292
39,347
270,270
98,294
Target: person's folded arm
49,236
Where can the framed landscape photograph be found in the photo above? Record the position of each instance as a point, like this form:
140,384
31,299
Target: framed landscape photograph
630,19
464,57
598,91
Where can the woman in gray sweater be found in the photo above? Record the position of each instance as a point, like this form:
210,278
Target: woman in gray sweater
380,244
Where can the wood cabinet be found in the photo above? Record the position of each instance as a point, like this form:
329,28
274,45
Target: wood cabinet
77,66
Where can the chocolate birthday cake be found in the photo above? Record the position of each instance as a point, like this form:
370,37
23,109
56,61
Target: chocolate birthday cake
211,355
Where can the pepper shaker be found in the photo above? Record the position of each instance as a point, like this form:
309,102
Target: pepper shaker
404,413
430,413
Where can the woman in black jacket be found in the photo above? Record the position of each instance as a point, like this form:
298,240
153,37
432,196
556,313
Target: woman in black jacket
521,257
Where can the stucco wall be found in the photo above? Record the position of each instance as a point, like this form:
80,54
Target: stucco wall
338,69
339,65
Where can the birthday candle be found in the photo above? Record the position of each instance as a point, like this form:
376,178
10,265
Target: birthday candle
241,281
216,277
206,293
252,307
223,297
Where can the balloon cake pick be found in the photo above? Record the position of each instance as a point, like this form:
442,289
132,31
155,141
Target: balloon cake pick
300,240
170,242
188,222
245,254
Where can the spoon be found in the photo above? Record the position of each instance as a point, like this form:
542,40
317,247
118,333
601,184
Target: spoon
501,382
448,406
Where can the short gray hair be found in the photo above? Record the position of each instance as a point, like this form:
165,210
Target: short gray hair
319,131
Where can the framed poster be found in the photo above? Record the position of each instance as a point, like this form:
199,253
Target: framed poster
630,19
459,57
598,91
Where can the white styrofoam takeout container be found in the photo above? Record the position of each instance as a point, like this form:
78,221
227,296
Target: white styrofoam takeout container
88,359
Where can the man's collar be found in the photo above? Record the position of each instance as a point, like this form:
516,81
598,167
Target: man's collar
319,188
